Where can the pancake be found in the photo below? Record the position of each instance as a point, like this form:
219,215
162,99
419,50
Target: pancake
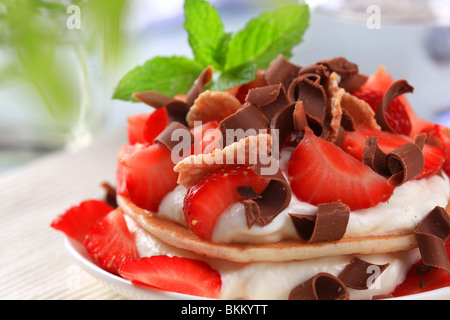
180,236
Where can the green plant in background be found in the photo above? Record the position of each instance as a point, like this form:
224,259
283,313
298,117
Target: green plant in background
234,57
38,47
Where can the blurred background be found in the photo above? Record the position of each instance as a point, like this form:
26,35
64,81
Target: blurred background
59,67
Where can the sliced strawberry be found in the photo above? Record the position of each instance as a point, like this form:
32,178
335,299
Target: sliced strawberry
379,81
242,92
213,194
423,282
396,114
439,135
110,243
182,275
321,172
77,220
155,124
354,142
135,127
145,127
206,137
124,152
149,175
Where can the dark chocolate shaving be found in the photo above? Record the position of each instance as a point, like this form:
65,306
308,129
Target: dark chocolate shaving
273,199
176,109
374,157
404,163
322,286
247,192
249,120
203,79
329,224
431,235
400,165
287,121
270,99
396,89
281,71
351,79
354,83
358,273
309,90
166,136
110,194
153,99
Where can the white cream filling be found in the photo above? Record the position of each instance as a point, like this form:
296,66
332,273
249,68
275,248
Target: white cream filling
275,280
409,204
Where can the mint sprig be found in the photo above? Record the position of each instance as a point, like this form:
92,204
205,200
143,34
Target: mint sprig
235,58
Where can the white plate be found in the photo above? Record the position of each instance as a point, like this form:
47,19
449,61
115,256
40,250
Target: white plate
137,292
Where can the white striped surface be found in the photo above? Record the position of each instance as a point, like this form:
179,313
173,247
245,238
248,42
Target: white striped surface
34,263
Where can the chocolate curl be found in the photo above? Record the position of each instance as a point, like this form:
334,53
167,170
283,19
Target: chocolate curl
290,119
176,109
398,166
166,139
203,79
272,200
357,273
351,79
329,224
431,235
270,99
396,89
110,194
322,286
281,71
307,88
249,119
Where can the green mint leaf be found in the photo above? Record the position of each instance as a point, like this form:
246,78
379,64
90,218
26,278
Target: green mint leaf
205,31
166,75
239,75
268,35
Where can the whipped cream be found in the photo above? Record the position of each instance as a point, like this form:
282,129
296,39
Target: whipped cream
409,204
275,280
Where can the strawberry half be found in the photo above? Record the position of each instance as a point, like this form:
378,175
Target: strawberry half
110,243
213,194
77,220
422,282
354,142
396,113
149,175
182,275
145,127
321,172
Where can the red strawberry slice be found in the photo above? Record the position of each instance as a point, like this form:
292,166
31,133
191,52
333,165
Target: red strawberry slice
396,113
321,172
124,152
182,275
213,194
206,137
145,127
110,243
77,220
149,175
439,135
354,142
423,282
